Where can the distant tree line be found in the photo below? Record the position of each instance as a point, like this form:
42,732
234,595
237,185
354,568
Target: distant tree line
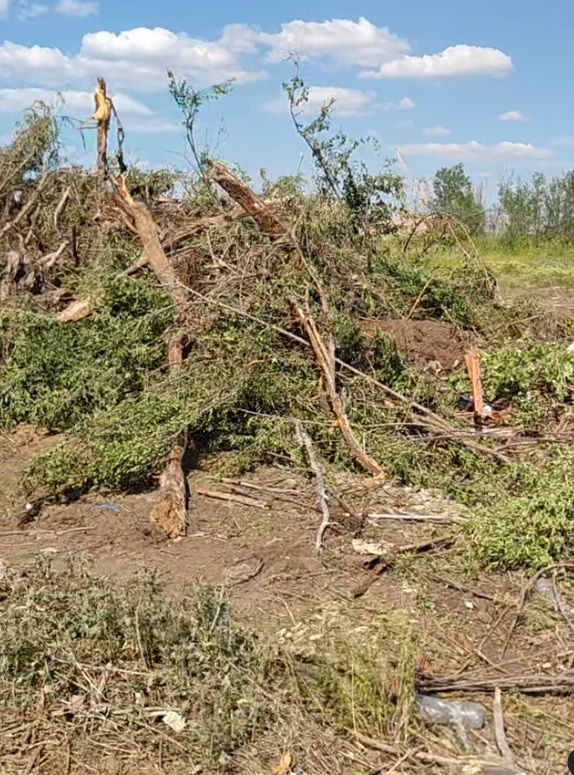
539,209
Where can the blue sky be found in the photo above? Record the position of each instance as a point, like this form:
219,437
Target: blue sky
486,86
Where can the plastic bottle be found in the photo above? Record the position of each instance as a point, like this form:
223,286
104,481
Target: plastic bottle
465,714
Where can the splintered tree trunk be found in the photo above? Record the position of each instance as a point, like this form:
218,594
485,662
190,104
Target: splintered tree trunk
246,199
171,511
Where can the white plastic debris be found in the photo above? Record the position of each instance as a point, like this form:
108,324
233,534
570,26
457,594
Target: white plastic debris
174,720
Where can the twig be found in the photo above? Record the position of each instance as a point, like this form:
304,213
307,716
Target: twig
61,205
417,301
228,496
561,605
462,587
422,756
417,518
27,207
561,683
527,589
305,441
499,732
50,259
379,564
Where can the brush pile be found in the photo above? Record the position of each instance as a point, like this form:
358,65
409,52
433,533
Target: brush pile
141,326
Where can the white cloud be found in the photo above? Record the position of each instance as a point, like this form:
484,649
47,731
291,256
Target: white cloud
343,40
454,62
34,63
138,58
407,124
347,102
4,8
79,8
436,131
28,10
473,151
404,104
512,115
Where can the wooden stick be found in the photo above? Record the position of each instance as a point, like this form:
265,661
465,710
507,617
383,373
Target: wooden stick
322,356
307,444
499,732
232,498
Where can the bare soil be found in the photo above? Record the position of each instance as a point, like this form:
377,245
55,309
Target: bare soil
263,553
424,342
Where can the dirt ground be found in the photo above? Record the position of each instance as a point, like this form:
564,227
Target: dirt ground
426,343
256,538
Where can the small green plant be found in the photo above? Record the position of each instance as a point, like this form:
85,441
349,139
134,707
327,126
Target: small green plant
370,198
526,520
190,102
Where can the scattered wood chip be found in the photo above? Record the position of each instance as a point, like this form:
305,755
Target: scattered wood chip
285,765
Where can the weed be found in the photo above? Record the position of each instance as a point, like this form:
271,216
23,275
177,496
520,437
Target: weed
108,660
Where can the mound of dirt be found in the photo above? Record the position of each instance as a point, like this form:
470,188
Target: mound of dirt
424,342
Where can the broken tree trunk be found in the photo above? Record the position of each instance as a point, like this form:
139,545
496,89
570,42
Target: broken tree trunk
171,512
245,198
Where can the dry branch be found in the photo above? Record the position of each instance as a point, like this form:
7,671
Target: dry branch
245,198
305,441
232,498
326,363
377,565
499,732
461,765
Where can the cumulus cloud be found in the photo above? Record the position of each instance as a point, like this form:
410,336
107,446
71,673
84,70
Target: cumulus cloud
141,56
404,104
79,8
474,151
436,131
363,44
342,40
512,115
454,62
138,58
347,102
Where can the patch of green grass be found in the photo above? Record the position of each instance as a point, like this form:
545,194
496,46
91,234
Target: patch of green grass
518,266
